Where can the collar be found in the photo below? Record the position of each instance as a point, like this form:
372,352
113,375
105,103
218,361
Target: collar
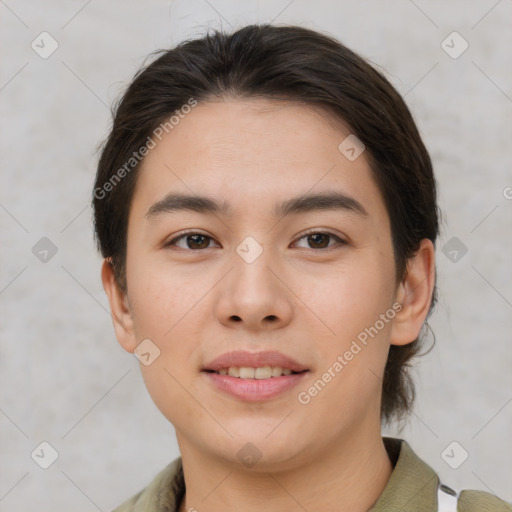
413,484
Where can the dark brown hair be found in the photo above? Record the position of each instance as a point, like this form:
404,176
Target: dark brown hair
288,63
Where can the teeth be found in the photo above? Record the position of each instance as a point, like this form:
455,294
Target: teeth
277,371
234,371
263,372
246,373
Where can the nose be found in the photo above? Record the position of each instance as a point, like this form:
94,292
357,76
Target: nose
253,295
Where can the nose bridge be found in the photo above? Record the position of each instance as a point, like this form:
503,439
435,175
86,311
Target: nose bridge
251,269
250,250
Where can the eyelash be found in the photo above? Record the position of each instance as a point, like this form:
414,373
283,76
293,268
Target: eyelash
305,235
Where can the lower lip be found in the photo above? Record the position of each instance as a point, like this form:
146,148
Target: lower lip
255,390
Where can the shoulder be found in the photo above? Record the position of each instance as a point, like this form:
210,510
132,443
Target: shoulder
128,505
480,501
414,482
161,495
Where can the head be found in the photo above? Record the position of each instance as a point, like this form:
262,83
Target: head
268,190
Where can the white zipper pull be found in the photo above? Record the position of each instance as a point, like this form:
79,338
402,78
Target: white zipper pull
446,499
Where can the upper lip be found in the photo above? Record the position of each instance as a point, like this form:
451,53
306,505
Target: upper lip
254,360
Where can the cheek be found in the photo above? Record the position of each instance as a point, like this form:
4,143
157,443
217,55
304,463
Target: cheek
164,311
350,299
356,304
161,300
347,382
169,391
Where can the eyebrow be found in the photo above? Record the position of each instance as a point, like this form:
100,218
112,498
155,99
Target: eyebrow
174,202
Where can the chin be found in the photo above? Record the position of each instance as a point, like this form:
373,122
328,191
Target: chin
263,445
261,457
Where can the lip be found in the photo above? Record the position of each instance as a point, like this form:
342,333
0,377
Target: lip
254,360
254,390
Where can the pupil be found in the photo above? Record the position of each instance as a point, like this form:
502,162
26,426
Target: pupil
195,241
315,236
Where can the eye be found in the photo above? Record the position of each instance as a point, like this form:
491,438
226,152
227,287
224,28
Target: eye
192,240
196,241
320,240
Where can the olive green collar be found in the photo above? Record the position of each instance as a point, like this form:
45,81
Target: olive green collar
413,484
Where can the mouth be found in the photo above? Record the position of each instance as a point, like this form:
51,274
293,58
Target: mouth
254,377
260,373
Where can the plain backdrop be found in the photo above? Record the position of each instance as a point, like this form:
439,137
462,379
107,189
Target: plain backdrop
65,381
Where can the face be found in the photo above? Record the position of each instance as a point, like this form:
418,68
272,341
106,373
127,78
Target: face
286,266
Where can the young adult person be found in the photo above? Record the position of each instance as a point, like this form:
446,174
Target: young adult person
267,213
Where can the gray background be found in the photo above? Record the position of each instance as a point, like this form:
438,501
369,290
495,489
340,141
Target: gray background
63,377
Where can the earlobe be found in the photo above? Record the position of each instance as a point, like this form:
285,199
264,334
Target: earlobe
414,293
119,307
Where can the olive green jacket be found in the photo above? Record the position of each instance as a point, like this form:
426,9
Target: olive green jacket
413,487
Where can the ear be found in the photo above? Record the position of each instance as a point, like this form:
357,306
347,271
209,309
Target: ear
120,308
414,293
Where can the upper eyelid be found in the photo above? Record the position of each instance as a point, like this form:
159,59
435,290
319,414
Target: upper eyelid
173,240
340,239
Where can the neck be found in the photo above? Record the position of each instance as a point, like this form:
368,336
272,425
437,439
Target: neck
349,476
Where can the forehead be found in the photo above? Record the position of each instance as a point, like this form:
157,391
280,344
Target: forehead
253,153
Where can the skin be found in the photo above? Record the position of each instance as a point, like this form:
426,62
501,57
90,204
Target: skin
297,297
